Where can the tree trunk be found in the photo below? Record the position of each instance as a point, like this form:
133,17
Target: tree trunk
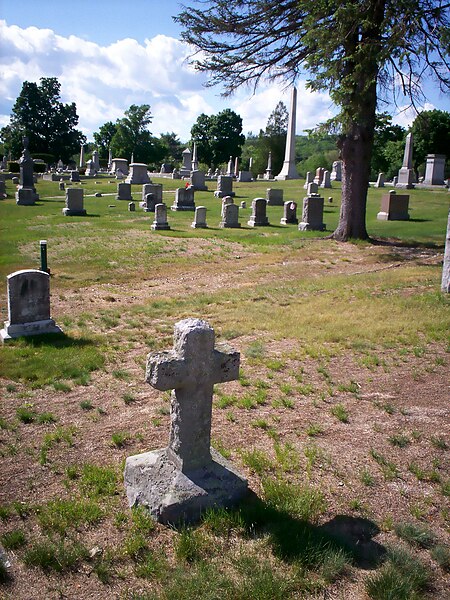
356,151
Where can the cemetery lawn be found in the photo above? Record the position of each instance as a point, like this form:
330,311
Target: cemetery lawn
340,418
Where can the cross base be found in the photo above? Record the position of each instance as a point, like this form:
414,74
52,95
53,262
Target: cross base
153,480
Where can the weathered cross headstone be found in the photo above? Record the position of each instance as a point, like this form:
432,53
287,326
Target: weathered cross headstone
289,214
184,199
274,197
28,305
160,221
394,207
179,482
258,217
74,202
445,285
26,193
230,216
199,221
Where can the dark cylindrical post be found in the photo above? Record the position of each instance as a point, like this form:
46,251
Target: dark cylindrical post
43,245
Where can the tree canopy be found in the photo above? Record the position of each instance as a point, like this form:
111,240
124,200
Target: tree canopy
431,135
48,123
103,138
218,137
357,50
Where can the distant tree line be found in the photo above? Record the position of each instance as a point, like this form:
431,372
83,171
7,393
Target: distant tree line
51,128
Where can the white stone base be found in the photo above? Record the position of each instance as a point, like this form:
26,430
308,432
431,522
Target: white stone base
153,480
16,330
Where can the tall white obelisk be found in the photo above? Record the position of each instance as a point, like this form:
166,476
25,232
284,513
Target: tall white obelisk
289,170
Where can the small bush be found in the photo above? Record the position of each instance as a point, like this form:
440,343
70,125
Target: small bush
441,554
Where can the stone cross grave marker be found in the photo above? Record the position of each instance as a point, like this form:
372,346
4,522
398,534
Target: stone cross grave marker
179,482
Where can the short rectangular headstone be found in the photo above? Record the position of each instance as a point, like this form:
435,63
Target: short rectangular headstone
184,199
74,202
152,188
160,221
178,483
289,214
199,221
224,186
258,218
312,214
274,197
230,216
28,305
124,192
394,207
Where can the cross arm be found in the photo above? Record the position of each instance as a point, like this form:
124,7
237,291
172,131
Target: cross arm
226,364
165,371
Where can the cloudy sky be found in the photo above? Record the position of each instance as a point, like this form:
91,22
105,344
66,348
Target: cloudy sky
109,54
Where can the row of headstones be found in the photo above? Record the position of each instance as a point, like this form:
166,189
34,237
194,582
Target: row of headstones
312,214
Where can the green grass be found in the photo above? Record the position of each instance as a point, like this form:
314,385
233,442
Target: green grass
98,481
399,440
12,540
415,534
340,412
48,359
59,515
59,435
55,556
402,577
388,468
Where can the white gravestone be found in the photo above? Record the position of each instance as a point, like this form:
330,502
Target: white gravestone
406,176
435,169
199,221
178,483
74,203
160,221
230,218
28,305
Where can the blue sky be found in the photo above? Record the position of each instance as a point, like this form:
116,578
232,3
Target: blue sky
109,54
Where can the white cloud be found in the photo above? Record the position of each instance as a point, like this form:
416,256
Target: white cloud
406,114
104,81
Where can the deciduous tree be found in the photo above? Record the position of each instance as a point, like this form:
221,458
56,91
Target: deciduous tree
48,123
352,49
218,137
